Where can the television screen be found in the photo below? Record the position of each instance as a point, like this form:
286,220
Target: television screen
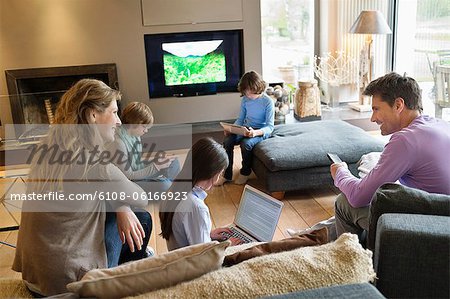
193,63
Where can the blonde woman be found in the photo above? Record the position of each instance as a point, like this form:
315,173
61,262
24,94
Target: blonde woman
59,241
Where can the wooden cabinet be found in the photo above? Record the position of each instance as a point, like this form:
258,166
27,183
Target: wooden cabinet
174,12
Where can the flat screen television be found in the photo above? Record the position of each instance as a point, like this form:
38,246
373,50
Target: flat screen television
193,63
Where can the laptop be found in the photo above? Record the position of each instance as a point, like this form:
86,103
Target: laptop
257,217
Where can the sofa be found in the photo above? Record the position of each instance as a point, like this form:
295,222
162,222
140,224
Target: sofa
409,233
196,272
411,245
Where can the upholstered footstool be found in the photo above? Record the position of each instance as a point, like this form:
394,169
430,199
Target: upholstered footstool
295,157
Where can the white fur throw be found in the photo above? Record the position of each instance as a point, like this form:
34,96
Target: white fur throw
341,262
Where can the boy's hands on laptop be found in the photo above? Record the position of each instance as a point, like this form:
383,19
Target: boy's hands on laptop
222,233
219,233
165,162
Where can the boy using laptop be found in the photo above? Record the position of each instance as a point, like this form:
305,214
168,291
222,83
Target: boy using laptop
187,221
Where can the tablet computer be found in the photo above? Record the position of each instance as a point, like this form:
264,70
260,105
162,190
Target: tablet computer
235,129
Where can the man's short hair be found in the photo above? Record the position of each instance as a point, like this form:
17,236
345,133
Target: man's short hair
392,86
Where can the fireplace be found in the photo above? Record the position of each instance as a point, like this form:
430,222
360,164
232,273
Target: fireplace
34,93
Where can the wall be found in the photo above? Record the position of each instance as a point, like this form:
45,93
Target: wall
37,33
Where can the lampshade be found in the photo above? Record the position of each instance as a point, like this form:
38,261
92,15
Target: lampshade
370,22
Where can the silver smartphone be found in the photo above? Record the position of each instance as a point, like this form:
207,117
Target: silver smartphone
334,158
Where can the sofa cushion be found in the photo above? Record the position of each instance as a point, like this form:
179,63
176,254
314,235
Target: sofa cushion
298,146
341,262
234,249
151,273
412,256
396,198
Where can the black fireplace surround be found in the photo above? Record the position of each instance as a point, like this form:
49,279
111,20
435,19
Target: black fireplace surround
29,88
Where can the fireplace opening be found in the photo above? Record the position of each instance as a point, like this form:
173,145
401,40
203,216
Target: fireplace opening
35,92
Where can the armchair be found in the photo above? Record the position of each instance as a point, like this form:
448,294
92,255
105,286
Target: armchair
409,232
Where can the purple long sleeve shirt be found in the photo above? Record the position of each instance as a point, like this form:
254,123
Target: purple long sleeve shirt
418,156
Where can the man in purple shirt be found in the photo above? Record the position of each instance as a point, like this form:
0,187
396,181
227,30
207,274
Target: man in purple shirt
416,154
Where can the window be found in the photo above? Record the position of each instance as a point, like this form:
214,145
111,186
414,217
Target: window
422,43
287,39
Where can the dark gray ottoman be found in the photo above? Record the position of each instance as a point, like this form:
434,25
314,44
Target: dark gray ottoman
294,158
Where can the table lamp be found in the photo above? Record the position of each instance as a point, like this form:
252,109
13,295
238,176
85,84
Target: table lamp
368,22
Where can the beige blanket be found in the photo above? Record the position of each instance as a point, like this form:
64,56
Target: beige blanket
341,262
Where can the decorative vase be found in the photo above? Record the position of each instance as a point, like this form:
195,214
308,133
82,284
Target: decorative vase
307,101
342,93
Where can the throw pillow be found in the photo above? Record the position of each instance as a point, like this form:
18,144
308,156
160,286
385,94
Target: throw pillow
317,237
236,248
341,262
152,273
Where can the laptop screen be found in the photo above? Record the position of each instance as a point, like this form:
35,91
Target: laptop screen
258,214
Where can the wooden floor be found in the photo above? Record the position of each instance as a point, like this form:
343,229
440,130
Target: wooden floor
301,209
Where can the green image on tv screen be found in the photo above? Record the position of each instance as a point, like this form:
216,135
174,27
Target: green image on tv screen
194,62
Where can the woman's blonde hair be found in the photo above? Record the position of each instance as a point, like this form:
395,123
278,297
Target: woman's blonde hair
83,95
251,81
137,113
71,134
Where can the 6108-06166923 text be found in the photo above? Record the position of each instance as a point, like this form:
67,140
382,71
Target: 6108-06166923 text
107,196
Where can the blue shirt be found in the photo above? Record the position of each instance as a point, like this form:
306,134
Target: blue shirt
258,114
191,223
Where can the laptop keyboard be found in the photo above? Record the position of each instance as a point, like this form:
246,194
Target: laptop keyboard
237,234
